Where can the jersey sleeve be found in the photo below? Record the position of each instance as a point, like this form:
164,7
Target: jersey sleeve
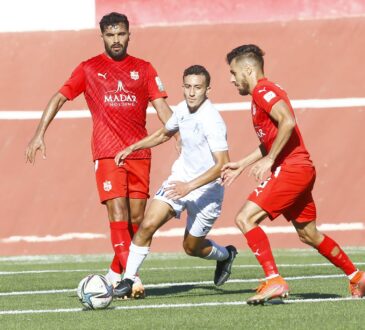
155,86
266,97
172,124
75,85
216,132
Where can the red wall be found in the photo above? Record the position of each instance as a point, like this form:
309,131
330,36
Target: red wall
175,12
311,59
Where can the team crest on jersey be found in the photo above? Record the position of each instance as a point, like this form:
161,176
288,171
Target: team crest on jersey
134,75
107,185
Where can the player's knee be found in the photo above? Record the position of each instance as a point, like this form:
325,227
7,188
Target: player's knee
147,228
118,214
302,237
243,222
306,238
117,211
190,250
137,218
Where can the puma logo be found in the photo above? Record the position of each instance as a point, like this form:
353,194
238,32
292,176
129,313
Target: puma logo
119,244
102,75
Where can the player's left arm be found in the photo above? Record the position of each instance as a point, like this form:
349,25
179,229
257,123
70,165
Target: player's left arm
164,113
163,110
281,113
160,136
178,189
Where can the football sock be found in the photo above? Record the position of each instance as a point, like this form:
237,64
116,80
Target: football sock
271,276
217,253
137,254
115,265
121,239
134,228
351,276
333,252
113,277
260,246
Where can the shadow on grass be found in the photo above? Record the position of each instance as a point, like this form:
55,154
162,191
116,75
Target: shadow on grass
185,291
314,295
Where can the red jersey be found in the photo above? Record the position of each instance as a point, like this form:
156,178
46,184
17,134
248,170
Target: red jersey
264,96
117,94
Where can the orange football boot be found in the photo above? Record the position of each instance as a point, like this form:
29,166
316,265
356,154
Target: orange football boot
273,288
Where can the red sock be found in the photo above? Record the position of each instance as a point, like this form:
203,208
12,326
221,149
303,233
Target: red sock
332,251
120,233
115,266
134,228
260,246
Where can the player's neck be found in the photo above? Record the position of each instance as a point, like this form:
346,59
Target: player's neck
254,80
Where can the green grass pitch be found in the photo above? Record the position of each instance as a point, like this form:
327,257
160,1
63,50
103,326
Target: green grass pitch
39,293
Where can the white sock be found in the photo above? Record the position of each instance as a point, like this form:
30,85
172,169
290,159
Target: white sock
271,276
136,256
113,277
351,276
218,252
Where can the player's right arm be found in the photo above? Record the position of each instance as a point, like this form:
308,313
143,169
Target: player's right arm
37,142
160,136
230,171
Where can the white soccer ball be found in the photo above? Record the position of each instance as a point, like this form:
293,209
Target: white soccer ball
95,292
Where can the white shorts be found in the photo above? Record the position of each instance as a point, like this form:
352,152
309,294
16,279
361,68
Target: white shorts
203,206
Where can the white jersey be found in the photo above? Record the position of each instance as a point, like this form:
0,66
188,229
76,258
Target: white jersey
202,133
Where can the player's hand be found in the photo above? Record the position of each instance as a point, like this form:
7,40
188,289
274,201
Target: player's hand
260,169
229,172
177,189
37,143
122,155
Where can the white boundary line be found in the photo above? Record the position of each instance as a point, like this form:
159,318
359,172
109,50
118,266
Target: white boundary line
172,284
234,106
179,232
86,258
207,304
46,271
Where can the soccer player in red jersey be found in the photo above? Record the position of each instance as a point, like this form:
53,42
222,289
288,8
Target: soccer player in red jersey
288,189
117,88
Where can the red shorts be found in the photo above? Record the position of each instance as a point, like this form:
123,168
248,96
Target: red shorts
130,180
288,191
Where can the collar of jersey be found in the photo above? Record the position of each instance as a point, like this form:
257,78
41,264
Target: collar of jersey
203,105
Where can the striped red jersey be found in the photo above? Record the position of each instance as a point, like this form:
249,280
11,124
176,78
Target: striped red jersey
117,94
264,96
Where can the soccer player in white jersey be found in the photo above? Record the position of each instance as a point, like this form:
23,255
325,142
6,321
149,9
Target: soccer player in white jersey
193,184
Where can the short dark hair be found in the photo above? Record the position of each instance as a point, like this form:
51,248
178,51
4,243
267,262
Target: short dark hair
198,70
247,51
113,19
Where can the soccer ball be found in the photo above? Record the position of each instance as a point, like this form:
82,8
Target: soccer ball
95,292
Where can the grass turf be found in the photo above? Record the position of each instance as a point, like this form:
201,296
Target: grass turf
187,300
